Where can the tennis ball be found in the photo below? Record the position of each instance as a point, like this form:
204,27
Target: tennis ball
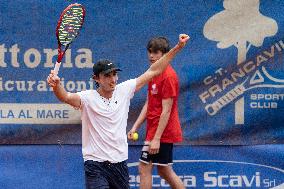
135,136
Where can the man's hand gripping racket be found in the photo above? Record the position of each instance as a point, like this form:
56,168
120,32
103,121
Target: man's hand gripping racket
68,27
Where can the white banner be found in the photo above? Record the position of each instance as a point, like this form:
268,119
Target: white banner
12,113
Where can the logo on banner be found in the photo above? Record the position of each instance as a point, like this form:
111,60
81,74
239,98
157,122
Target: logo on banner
218,174
242,25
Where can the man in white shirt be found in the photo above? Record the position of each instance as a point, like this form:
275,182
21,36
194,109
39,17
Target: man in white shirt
104,118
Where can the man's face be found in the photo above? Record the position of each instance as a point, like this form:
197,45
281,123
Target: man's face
154,56
107,81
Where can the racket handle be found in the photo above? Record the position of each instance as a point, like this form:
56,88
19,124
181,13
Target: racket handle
56,67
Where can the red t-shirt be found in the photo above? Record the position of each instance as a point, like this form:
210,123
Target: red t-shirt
164,86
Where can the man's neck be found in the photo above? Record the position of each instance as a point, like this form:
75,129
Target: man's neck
105,94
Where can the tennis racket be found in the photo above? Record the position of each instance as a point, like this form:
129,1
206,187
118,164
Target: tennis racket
69,24
240,89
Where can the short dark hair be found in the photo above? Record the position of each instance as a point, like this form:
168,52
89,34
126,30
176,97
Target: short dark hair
158,44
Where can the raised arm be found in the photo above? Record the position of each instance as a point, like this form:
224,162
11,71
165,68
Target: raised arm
158,67
70,98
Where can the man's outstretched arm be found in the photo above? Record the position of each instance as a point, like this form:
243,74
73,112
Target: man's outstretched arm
158,67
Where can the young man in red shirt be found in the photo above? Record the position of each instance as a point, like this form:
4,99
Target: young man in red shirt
163,126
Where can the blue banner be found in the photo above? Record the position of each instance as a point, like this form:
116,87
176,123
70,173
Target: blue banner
220,167
231,72
61,166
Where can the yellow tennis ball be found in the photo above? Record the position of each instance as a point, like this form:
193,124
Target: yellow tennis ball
135,136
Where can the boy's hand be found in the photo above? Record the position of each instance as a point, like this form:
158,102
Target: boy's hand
183,38
130,134
154,146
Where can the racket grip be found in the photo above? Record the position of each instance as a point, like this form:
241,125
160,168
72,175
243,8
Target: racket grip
56,67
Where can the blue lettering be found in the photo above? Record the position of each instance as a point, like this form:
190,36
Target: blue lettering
10,114
40,114
22,114
49,114
65,114
52,114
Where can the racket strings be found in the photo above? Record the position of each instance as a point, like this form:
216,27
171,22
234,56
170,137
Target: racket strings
71,23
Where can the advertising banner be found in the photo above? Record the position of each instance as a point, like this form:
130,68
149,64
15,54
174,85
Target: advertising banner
230,73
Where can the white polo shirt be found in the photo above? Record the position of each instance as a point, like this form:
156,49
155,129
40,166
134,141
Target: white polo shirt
104,123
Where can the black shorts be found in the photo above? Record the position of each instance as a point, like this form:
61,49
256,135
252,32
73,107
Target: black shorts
106,175
163,158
